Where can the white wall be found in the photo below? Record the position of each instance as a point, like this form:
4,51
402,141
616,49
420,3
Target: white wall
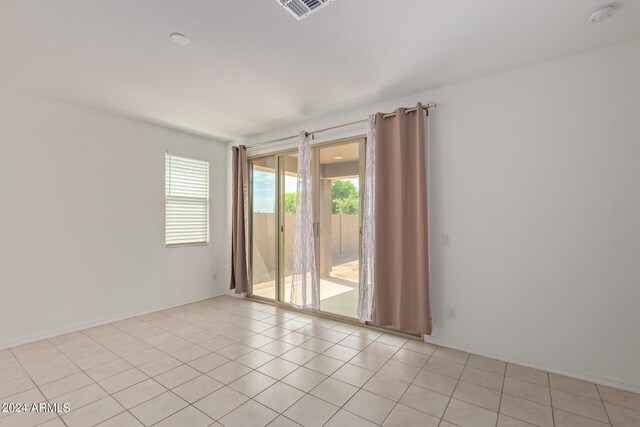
535,173
82,219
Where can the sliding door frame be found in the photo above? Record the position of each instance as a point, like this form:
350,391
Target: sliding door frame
279,155
315,168
279,297
281,174
250,294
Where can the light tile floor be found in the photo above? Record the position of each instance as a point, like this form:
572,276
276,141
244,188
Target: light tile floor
233,362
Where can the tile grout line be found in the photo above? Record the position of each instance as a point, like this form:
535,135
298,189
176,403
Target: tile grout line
456,387
603,405
504,380
553,412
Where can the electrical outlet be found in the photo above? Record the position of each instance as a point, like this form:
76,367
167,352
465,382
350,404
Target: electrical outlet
451,313
446,239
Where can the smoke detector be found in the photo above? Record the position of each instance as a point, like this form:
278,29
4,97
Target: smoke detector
302,8
601,13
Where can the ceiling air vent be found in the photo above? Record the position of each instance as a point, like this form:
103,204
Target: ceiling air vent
303,8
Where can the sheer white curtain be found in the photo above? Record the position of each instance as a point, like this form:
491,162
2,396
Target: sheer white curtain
304,282
365,299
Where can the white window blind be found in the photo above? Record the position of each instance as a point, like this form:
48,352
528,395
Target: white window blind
187,201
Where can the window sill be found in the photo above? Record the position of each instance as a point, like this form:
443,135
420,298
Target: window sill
182,245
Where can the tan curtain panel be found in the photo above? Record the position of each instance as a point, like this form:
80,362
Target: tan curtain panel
240,233
401,297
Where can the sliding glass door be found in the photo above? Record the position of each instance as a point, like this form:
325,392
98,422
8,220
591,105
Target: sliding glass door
338,230
264,220
337,169
288,196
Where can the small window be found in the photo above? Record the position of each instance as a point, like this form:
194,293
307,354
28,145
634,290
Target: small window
186,201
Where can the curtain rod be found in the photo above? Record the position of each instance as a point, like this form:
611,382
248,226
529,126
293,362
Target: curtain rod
426,107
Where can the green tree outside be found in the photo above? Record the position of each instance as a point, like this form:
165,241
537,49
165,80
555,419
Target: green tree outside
345,199
290,202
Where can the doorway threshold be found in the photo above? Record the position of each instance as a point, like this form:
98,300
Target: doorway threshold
335,317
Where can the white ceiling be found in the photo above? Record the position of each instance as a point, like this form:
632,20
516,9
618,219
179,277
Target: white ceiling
348,152
251,67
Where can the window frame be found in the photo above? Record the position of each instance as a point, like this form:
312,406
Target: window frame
168,154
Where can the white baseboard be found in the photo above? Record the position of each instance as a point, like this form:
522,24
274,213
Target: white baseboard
85,325
602,380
